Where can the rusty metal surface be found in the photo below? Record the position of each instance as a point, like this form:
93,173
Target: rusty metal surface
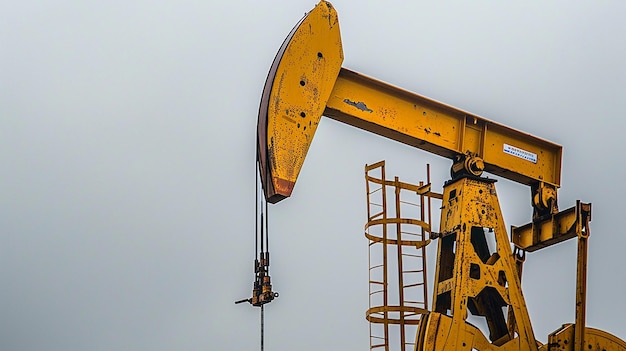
476,275
296,90
595,340
397,230
306,80
415,120
262,156
551,229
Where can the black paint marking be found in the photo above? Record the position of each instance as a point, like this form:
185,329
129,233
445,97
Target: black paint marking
360,105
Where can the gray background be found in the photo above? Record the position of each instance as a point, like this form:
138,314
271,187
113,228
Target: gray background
127,138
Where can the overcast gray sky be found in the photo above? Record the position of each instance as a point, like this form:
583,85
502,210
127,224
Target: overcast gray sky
127,138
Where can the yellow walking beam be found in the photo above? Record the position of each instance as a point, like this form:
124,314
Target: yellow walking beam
430,125
306,81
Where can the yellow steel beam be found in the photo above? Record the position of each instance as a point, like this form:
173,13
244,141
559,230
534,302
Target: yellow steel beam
306,80
444,130
552,229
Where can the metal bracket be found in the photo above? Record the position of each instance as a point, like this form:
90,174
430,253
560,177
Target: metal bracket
552,229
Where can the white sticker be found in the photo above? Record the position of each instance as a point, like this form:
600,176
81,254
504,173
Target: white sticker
515,151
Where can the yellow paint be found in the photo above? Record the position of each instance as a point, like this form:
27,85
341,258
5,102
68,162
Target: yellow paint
444,130
309,81
474,278
301,86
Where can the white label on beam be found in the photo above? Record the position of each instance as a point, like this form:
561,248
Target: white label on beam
515,151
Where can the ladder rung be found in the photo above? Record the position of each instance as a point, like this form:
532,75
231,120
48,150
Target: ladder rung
410,233
409,203
412,285
413,271
376,282
375,190
411,255
374,216
415,314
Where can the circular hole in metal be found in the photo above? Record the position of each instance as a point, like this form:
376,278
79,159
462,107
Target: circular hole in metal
302,114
